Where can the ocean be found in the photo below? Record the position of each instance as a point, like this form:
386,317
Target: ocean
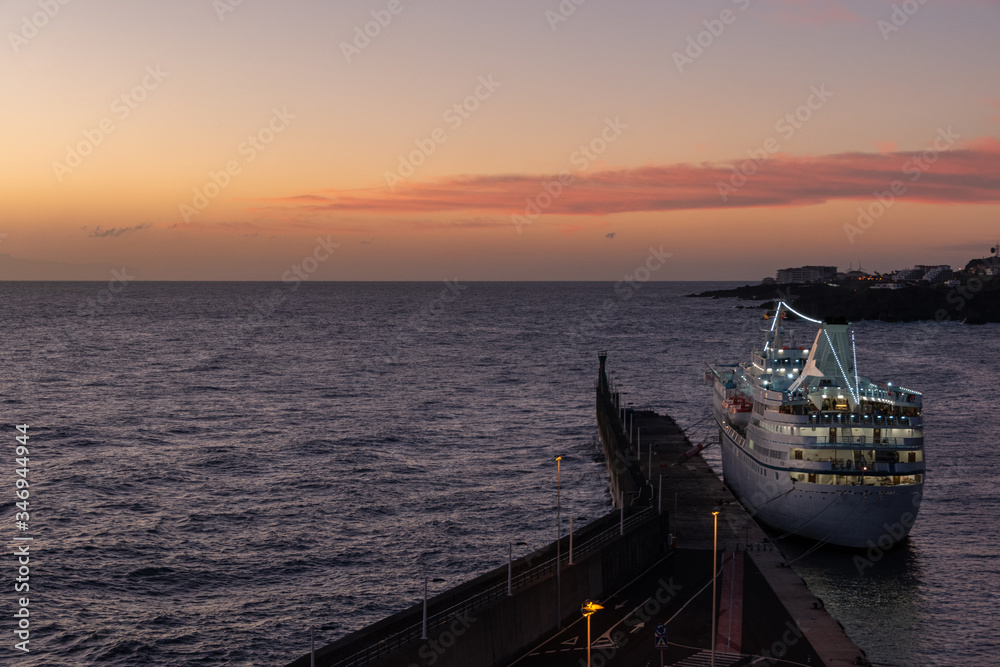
215,469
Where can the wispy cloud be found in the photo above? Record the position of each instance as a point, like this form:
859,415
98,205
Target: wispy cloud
960,175
114,232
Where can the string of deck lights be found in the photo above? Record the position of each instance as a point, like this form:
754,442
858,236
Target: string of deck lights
854,351
782,303
840,366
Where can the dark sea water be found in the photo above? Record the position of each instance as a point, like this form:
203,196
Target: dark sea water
216,468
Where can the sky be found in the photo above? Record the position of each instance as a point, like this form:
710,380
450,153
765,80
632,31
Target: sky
515,140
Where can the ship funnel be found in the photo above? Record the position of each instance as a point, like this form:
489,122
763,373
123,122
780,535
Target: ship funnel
832,356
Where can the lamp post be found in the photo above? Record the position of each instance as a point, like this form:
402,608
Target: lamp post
715,546
587,609
423,634
510,569
558,546
570,539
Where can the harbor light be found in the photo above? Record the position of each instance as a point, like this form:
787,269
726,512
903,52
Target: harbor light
558,541
715,546
587,609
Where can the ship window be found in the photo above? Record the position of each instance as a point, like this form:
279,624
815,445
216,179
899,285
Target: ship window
911,457
812,478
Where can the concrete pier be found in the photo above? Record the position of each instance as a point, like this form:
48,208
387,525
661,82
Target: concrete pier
690,493
649,563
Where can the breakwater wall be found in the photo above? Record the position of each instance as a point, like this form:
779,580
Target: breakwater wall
624,470
477,624
707,520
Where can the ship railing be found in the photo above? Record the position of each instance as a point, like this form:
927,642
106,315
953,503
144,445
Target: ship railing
860,440
382,647
851,419
857,467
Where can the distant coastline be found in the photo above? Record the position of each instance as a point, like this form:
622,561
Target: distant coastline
975,300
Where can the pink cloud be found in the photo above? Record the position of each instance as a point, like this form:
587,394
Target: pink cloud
970,174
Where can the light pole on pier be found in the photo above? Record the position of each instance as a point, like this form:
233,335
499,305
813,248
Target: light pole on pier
715,546
587,609
558,546
510,569
423,634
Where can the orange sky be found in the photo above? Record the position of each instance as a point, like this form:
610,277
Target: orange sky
497,141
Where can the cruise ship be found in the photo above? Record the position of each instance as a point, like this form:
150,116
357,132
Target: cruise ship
813,449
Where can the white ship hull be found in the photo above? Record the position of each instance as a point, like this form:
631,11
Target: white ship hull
812,448
843,515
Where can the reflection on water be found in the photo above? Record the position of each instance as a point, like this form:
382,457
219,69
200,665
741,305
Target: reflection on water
876,594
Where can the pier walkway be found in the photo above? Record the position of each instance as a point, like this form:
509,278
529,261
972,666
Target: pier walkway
645,450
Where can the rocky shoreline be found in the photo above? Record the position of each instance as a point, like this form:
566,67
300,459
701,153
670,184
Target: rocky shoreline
975,301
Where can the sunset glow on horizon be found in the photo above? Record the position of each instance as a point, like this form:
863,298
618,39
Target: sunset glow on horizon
524,140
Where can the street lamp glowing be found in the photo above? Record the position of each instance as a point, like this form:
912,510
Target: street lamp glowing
558,542
715,546
587,609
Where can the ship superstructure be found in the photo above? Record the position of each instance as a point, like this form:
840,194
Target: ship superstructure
812,448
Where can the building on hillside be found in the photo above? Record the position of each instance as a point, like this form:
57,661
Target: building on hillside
806,274
930,273
935,274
